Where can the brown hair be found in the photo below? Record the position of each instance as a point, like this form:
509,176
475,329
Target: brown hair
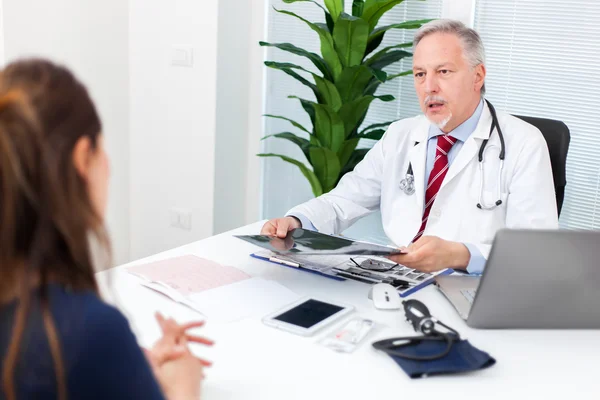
45,208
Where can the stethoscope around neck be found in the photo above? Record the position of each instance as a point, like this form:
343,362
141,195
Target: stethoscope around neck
407,185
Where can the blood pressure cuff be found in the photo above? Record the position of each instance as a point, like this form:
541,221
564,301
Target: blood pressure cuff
463,357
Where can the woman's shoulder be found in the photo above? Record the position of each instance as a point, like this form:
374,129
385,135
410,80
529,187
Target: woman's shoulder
85,314
83,306
103,349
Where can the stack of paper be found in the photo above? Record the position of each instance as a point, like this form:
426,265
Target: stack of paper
219,292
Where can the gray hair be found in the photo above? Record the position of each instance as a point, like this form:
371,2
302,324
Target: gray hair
473,49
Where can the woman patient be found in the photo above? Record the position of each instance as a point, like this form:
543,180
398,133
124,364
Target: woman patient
58,339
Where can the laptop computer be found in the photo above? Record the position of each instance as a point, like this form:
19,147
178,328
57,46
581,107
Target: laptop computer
533,280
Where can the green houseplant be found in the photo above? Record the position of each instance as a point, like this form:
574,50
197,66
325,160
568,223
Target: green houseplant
350,70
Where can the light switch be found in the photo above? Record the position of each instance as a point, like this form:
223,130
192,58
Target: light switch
182,56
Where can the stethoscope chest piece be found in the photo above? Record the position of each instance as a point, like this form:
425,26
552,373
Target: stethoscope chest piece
407,185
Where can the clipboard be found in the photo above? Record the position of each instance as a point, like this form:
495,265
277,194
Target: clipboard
299,267
426,283
339,274
402,292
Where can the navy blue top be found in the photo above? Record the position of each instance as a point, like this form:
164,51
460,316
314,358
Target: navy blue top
101,357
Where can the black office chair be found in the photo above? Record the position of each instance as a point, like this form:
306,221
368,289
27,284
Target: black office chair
557,136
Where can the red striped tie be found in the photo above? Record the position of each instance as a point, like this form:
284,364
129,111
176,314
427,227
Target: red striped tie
440,167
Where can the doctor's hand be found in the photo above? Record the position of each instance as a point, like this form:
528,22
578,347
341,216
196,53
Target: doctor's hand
280,227
431,253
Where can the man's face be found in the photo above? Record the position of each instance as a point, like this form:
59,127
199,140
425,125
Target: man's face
448,88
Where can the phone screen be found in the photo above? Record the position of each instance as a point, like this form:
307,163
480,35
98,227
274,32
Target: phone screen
309,313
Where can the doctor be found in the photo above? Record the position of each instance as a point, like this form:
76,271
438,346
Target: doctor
437,194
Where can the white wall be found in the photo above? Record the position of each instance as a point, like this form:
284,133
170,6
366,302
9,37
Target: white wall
178,137
257,73
239,108
91,39
173,113
194,131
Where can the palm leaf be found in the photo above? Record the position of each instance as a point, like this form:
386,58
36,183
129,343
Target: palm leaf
304,144
405,73
309,174
376,134
350,36
288,68
372,88
377,35
308,106
354,80
388,58
353,113
378,125
347,149
304,1
358,7
327,45
335,7
314,58
329,93
297,125
326,166
374,9
329,127
380,53
356,157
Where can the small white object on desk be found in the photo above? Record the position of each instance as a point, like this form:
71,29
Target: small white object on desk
385,297
347,339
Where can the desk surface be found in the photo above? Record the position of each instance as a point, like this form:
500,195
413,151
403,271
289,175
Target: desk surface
252,361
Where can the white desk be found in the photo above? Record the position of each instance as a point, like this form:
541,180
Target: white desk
252,361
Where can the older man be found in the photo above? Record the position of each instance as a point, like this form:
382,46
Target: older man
438,191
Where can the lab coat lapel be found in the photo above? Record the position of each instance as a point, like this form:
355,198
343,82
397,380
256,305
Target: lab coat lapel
417,157
470,148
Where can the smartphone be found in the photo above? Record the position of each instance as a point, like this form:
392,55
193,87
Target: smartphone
307,316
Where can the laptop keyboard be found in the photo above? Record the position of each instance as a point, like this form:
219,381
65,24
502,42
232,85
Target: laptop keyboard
469,294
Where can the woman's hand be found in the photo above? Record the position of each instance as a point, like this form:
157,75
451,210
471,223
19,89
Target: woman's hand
178,371
181,378
169,346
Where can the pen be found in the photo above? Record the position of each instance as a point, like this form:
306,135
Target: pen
284,262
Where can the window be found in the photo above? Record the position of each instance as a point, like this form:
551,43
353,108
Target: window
284,186
543,60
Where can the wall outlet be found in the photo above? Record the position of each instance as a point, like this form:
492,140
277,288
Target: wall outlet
181,218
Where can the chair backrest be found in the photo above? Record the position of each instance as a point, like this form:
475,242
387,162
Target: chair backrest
557,136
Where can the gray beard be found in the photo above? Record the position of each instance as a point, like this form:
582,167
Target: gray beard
442,124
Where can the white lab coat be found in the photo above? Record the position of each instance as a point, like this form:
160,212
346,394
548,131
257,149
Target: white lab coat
527,187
